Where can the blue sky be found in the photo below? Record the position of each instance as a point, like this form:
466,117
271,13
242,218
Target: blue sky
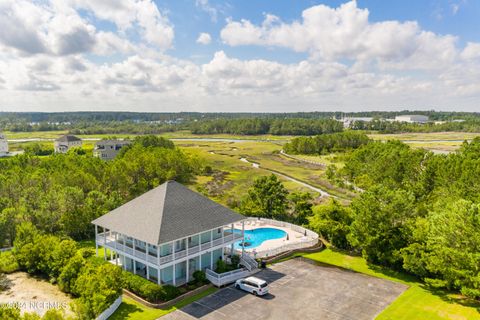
434,15
209,55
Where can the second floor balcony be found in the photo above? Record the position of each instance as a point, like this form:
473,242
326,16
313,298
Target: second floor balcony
166,253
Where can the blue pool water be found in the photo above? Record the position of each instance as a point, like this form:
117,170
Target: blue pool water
255,237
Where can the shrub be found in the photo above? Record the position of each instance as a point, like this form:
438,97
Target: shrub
148,290
97,287
3,282
8,263
221,266
171,292
235,261
199,276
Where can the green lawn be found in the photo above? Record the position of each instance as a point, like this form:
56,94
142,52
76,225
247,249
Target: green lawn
417,302
130,309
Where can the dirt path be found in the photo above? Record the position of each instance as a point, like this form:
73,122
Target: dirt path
33,295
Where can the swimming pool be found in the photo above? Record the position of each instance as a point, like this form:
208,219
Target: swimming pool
255,237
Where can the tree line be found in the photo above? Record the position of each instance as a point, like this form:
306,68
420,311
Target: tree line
471,124
419,213
62,194
326,143
256,126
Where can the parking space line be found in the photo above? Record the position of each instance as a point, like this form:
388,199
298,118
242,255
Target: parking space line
214,310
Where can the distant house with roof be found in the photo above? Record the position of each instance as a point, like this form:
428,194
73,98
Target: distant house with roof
3,145
108,149
168,233
66,142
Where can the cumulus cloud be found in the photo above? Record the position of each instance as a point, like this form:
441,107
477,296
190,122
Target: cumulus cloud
208,8
342,33
54,55
204,38
56,26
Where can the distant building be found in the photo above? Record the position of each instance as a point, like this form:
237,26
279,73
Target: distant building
349,121
66,142
108,149
412,118
3,145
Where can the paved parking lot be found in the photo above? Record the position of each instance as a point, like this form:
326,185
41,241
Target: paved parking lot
299,290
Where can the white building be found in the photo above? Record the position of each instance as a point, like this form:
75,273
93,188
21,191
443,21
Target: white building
66,142
108,149
3,145
349,121
412,118
168,233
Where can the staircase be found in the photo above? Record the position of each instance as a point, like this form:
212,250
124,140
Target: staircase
249,263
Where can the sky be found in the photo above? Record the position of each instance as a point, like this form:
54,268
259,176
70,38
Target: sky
239,56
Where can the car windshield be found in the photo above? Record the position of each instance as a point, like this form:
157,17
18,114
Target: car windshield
263,285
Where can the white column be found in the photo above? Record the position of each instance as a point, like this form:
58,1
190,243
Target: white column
174,272
124,264
200,262
148,272
159,274
243,237
158,257
133,241
96,244
187,273
211,252
134,266
116,249
105,244
223,236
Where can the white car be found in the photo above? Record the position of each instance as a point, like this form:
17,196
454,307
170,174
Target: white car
253,285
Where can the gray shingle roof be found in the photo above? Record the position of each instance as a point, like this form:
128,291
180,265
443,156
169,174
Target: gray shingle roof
68,138
170,211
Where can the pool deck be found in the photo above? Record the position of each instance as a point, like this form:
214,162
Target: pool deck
293,236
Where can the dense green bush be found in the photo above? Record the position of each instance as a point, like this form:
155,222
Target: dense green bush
200,277
148,290
13,313
8,262
221,266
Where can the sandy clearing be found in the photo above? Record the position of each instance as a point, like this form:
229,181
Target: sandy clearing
32,294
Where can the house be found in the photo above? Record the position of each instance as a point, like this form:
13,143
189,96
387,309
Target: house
412,118
66,142
3,145
168,233
108,149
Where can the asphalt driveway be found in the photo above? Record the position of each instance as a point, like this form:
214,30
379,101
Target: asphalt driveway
299,289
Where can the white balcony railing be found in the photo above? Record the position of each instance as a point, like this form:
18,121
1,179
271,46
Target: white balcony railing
110,242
